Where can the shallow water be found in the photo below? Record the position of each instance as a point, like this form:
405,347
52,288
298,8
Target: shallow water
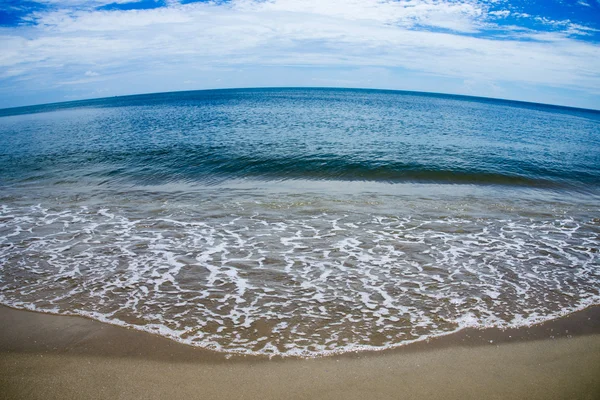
301,221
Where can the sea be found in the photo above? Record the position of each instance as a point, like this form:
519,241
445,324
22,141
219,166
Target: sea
300,221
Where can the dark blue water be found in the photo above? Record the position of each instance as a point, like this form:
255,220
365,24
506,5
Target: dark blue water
315,134
300,221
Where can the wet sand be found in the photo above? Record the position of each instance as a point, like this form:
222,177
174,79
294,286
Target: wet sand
56,357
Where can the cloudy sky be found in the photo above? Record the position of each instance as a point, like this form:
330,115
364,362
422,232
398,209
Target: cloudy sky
534,50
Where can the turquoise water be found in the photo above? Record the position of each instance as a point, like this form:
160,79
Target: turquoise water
300,221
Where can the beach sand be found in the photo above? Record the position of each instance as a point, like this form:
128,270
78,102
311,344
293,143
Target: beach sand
57,357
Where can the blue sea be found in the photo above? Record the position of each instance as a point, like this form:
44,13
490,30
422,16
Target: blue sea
300,222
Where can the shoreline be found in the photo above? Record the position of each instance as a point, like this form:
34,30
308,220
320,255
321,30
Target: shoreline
578,323
49,356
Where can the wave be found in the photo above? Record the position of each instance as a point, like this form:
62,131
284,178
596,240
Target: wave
205,165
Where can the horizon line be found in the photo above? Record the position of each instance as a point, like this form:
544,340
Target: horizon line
465,96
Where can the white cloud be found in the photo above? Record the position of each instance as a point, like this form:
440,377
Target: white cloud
429,37
500,14
462,16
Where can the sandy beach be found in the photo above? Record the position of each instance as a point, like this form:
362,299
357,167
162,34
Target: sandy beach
57,357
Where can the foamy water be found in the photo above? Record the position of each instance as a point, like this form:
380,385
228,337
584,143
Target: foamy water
289,274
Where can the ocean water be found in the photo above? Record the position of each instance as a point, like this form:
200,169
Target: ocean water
300,222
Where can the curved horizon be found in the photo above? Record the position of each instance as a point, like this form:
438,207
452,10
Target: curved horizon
6,111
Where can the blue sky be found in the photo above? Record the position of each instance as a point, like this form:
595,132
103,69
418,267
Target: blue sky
532,50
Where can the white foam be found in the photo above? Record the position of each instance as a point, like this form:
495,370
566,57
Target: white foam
293,284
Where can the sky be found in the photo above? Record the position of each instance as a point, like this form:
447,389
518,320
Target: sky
545,51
